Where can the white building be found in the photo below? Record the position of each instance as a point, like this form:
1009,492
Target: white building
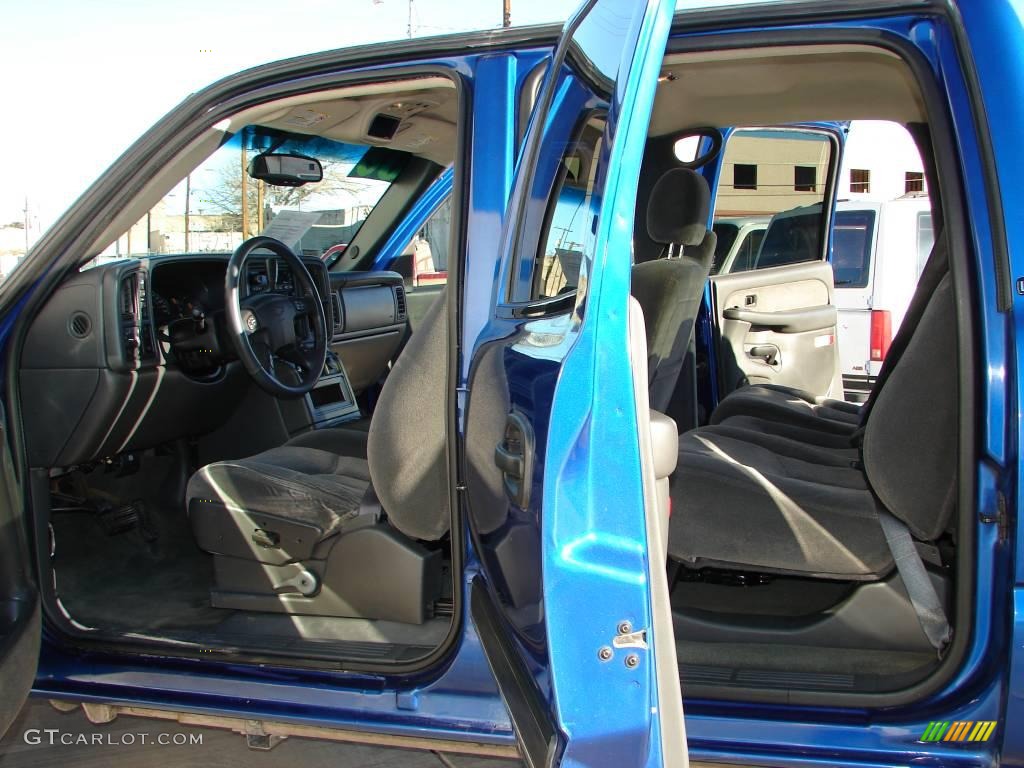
880,162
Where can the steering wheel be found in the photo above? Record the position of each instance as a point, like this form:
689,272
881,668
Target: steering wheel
263,327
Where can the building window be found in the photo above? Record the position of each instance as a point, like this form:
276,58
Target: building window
913,181
804,178
860,180
744,176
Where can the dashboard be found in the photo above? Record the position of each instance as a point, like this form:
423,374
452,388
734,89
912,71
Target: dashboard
114,362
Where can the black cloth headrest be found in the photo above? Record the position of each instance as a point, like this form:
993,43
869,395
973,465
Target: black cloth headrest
677,211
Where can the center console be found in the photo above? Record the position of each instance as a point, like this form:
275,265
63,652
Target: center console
331,401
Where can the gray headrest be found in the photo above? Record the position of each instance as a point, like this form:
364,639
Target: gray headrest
677,212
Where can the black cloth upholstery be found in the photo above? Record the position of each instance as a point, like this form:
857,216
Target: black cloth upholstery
408,446
309,485
910,438
669,289
794,484
678,209
791,406
669,293
740,505
321,477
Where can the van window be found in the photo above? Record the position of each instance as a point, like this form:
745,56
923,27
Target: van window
925,239
851,248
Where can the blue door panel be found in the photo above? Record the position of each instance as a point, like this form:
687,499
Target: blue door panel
570,567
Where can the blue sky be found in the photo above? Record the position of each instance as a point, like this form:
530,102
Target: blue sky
82,80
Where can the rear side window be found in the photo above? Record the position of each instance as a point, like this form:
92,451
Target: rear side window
851,248
783,173
567,221
791,240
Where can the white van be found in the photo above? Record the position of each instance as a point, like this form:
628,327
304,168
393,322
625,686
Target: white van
878,252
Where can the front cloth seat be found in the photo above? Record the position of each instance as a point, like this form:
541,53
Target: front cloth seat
669,289
311,527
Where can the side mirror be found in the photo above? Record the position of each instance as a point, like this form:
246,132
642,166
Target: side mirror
286,170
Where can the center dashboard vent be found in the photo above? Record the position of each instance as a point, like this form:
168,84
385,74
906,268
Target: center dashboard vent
400,309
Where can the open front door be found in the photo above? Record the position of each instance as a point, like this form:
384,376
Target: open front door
19,599
562,456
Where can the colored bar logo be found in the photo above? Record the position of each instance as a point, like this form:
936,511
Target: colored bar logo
960,730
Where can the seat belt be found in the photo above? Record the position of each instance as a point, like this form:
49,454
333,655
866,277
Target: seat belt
915,578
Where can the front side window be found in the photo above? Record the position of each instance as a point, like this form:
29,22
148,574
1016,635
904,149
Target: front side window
219,205
424,261
567,222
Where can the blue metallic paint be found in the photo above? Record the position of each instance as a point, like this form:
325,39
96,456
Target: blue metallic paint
592,542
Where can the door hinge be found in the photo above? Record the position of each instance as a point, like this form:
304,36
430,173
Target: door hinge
999,518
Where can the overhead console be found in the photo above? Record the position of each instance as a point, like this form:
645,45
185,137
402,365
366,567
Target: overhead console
370,323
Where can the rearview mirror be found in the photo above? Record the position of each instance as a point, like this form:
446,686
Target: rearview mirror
286,170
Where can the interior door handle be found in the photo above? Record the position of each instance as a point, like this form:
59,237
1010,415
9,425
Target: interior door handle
768,353
514,457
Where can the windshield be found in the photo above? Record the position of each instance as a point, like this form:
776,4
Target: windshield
205,212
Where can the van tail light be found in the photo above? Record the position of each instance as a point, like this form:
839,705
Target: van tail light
881,334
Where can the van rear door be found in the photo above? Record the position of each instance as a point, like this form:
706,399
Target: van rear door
863,334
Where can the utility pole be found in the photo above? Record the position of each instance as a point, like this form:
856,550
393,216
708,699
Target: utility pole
245,197
506,18
26,223
188,196
409,29
260,198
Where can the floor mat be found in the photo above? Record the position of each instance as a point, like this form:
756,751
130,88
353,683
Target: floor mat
149,577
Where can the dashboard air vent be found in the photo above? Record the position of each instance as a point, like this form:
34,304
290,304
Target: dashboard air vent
339,320
79,325
400,311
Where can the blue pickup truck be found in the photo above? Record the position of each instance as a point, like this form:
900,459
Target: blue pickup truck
574,486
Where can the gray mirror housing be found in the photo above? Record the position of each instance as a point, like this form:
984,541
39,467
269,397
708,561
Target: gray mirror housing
285,170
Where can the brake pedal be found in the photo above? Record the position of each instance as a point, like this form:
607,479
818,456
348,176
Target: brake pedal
118,520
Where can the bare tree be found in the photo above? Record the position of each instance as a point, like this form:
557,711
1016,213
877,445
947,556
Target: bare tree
225,195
